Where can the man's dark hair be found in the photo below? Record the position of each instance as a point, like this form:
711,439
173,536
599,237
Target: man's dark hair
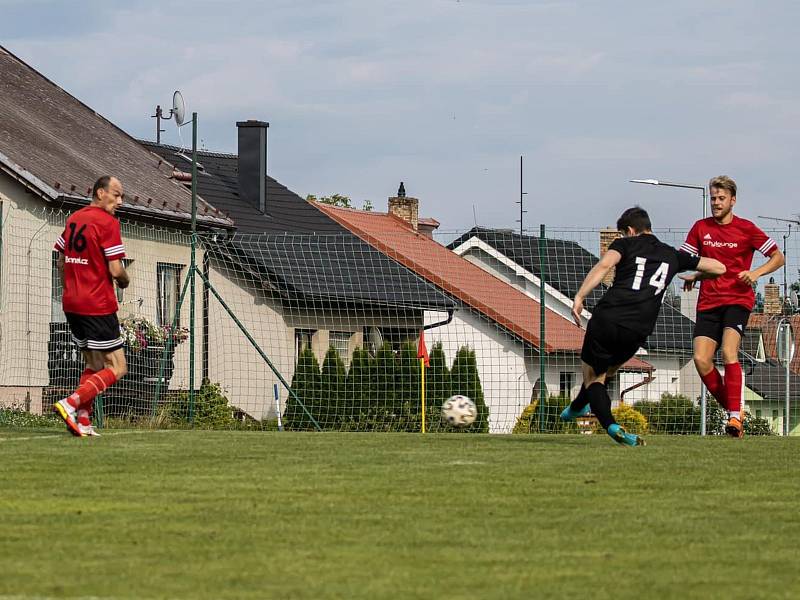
101,184
635,217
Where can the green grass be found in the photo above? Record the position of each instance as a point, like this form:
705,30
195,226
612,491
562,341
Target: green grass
191,514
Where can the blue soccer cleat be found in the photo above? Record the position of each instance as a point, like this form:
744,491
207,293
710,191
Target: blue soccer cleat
619,435
570,415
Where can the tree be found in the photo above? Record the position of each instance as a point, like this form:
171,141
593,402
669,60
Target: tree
437,387
306,386
407,385
465,380
383,377
334,200
332,389
358,387
367,206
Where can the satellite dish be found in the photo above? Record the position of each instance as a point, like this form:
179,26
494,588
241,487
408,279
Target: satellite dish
178,107
375,339
785,343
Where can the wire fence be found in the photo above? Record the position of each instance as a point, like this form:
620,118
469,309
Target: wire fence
323,332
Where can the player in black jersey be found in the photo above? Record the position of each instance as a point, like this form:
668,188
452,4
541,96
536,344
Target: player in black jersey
627,312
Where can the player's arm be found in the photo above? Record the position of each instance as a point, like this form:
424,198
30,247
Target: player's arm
119,273
593,279
707,268
775,262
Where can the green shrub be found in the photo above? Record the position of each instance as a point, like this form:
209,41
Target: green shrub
671,414
17,417
211,409
631,419
464,380
532,420
306,385
756,425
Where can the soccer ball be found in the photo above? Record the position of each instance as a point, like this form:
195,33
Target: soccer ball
459,411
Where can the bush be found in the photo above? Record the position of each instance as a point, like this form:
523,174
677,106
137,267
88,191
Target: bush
17,417
756,425
671,414
532,421
631,419
211,409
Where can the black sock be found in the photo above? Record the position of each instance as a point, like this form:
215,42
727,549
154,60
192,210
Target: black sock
601,404
580,402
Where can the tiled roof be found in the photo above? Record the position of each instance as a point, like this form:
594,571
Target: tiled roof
297,248
768,325
55,144
497,300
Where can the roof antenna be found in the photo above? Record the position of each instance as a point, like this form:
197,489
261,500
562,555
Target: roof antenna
178,110
521,194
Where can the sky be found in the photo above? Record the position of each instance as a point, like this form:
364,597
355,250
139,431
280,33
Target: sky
446,95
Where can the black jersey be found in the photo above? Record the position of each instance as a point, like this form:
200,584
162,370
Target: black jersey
643,273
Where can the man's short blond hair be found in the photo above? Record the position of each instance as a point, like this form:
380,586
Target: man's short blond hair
724,182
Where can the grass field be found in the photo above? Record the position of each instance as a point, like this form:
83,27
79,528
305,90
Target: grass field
193,514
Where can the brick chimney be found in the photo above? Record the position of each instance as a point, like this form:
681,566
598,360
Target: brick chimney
405,208
607,236
772,298
253,163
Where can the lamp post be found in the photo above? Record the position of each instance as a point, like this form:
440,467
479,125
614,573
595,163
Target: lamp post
702,188
689,186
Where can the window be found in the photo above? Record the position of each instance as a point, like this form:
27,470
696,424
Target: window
168,282
566,381
56,292
340,340
120,292
302,340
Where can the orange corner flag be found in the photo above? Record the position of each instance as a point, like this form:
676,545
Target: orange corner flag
422,350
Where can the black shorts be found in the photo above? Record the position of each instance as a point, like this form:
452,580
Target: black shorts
99,332
711,323
606,344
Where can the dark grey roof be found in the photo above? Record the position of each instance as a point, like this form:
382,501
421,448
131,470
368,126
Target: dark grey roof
768,380
57,146
298,249
218,183
566,264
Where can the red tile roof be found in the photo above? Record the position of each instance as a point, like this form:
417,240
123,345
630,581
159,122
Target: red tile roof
477,288
59,146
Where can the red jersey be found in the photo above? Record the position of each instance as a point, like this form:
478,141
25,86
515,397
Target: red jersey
733,245
90,240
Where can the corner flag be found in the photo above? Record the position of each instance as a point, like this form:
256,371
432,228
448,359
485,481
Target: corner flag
422,350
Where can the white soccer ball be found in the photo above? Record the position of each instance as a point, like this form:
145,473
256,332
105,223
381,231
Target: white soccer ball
459,411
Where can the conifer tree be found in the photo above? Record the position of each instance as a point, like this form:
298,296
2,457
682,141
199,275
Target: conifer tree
358,388
306,386
437,387
332,395
465,380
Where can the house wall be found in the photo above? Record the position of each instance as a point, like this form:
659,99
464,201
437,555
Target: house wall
507,375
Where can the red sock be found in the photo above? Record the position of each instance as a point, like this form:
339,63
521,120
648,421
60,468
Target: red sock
87,372
734,379
83,417
94,385
716,386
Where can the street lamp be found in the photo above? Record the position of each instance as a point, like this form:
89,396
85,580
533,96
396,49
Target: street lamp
689,186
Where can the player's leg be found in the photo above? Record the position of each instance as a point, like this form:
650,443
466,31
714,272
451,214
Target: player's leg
105,356
735,321
707,338
594,361
67,408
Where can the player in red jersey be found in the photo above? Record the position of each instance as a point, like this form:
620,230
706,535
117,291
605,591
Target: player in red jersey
90,259
725,303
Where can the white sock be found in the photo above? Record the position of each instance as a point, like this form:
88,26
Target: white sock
735,414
